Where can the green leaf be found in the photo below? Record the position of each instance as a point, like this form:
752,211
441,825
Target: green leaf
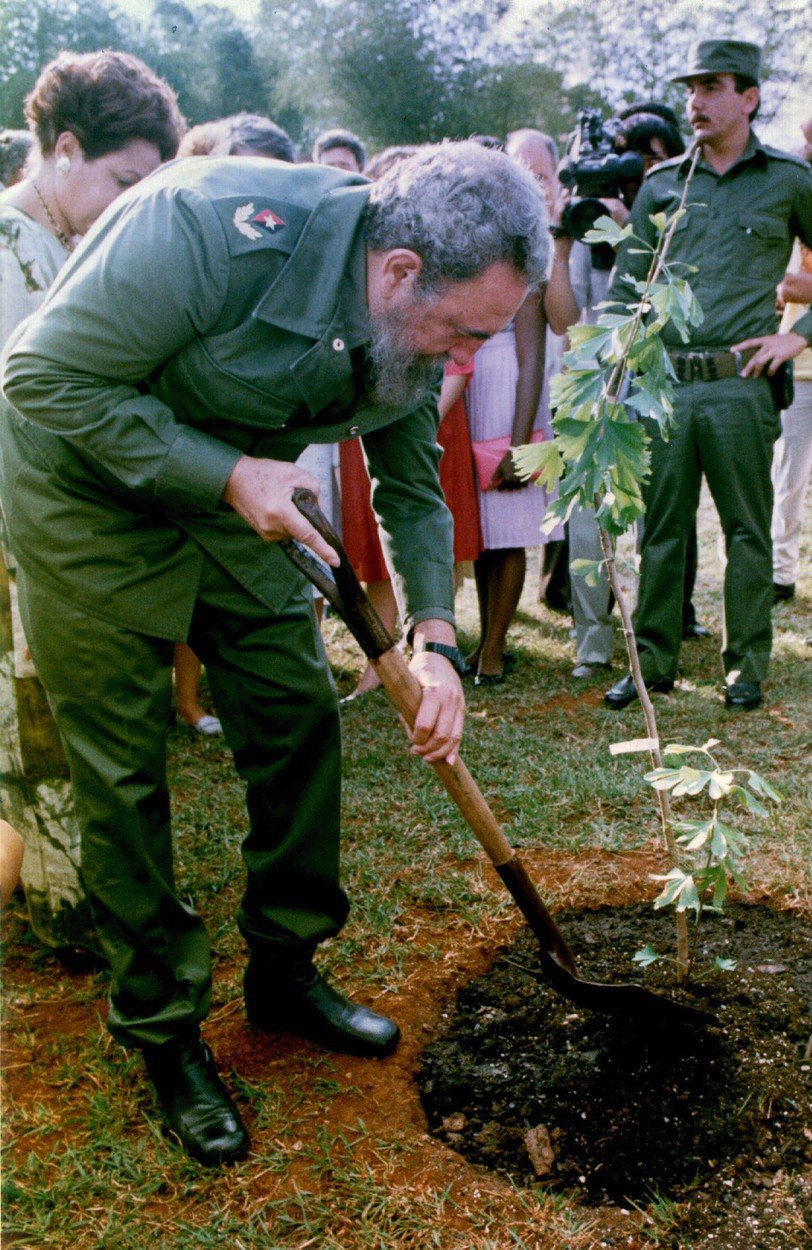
663,779
720,784
688,896
680,890
762,786
606,230
646,955
749,800
659,221
692,781
541,458
720,892
725,965
590,570
698,836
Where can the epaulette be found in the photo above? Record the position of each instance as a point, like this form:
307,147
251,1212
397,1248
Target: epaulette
673,162
778,155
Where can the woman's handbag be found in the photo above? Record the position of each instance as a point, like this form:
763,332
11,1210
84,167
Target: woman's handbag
489,454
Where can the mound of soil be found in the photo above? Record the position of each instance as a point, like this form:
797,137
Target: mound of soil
712,1118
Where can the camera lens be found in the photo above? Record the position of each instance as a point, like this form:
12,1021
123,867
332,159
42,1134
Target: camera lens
580,216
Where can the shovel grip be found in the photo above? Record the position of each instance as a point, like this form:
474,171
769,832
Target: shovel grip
405,692
400,683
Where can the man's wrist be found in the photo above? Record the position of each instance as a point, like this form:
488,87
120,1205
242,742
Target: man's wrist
452,654
433,630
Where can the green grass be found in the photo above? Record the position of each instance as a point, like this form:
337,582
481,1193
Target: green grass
86,1166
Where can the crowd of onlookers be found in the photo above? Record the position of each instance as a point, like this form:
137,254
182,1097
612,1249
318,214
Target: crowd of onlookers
113,106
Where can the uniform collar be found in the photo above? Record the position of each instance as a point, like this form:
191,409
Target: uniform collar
753,152
324,279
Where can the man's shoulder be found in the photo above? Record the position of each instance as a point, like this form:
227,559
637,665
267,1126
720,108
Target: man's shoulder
671,166
260,204
777,154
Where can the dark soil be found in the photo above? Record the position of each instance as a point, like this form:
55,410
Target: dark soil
715,1120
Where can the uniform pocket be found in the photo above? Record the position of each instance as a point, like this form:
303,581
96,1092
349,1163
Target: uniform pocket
763,242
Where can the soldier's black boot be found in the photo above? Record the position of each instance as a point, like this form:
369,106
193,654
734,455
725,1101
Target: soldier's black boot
194,1101
292,997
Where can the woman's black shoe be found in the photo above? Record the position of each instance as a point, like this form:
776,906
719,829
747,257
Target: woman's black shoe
195,1102
299,1000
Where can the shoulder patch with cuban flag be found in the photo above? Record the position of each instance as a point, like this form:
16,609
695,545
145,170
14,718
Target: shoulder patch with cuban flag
247,221
258,223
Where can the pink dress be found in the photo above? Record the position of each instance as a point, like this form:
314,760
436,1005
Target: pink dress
509,518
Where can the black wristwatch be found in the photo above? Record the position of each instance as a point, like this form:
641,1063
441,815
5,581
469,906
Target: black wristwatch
452,654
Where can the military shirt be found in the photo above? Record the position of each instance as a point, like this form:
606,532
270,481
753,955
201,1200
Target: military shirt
738,232
216,309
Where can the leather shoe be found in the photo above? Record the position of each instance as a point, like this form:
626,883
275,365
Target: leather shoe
743,695
624,691
297,999
194,1101
692,629
783,591
589,668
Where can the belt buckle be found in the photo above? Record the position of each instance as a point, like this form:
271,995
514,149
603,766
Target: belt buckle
695,367
738,362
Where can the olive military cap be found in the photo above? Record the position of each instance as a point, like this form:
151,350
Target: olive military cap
722,56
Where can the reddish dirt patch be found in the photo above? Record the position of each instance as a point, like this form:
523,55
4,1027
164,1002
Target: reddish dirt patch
49,1010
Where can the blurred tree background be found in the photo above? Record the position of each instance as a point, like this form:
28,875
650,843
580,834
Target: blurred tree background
404,71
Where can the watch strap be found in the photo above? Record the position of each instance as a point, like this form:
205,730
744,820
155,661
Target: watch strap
452,654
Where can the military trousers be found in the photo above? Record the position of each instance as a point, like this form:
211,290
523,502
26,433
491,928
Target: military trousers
726,430
110,690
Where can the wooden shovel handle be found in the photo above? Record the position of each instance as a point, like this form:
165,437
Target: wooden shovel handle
343,590
405,692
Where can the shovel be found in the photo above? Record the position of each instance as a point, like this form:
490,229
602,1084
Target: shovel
342,590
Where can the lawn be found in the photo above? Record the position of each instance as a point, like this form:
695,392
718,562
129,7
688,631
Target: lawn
341,1156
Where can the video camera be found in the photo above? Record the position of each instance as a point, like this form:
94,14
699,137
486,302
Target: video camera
594,170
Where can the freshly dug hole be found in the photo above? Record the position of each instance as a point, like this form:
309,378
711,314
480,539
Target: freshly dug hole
525,1083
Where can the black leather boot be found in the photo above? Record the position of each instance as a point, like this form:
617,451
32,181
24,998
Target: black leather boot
292,997
195,1102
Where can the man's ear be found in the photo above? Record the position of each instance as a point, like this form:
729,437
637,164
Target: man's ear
399,270
751,97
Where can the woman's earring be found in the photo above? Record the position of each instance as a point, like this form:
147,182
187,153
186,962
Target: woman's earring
63,166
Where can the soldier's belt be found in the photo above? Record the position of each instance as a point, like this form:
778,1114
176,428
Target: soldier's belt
711,365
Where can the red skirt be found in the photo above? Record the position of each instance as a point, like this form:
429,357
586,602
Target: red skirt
360,529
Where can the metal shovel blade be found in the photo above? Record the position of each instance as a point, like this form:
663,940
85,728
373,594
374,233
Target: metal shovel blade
341,588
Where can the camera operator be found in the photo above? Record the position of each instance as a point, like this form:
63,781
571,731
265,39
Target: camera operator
579,281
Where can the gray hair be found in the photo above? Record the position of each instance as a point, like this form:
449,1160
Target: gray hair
462,208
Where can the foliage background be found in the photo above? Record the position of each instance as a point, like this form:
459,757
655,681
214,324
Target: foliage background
404,71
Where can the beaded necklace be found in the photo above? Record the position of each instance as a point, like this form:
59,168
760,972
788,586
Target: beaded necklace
60,234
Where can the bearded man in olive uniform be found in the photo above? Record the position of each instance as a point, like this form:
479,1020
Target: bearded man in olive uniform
219,318
746,204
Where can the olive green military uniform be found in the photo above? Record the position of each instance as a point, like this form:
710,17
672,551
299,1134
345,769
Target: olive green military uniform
738,233
217,309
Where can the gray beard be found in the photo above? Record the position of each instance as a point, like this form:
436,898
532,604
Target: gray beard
401,376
